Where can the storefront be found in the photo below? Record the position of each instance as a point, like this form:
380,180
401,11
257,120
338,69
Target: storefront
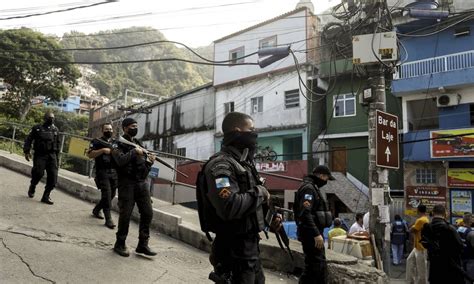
461,190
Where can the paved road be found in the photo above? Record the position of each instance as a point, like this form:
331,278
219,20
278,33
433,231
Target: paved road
64,244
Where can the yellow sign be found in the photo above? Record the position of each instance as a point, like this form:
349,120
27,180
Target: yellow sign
78,147
461,178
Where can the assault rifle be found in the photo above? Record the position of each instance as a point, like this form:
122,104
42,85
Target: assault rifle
159,160
273,220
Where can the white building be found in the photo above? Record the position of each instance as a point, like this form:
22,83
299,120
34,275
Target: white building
182,124
271,95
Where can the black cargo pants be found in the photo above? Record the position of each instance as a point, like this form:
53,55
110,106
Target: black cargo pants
239,255
315,269
129,193
106,181
42,162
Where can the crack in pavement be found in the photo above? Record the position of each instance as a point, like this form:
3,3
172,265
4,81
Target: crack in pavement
26,263
161,276
46,236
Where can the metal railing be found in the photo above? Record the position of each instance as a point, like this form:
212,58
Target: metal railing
451,62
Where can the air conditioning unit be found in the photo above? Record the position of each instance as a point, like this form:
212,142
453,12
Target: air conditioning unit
448,100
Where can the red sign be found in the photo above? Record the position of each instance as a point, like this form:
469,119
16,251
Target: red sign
426,195
452,143
386,133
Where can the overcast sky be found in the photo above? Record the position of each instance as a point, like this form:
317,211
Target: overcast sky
193,22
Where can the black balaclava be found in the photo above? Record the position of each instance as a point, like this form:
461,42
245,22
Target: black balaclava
317,181
132,132
49,120
242,140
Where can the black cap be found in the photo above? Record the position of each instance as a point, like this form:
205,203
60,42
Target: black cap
127,121
323,170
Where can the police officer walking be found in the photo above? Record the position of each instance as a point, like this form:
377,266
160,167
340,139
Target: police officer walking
235,196
105,173
46,146
133,166
312,215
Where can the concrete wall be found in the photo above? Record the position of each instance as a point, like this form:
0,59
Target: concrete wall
290,29
199,145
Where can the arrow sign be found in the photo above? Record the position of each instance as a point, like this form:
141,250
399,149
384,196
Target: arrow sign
388,153
386,142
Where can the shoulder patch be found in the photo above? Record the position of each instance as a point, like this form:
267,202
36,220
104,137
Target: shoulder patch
224,193
306,204
222,182
308,197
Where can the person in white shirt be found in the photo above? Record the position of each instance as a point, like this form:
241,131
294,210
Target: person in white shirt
358,225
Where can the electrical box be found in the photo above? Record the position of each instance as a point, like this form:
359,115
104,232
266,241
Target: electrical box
373,48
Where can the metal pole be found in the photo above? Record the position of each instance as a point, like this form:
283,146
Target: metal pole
61,150
13,139
378,177
174,181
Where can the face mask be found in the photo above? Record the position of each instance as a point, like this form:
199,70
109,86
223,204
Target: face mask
49,120
107,134
132,132
319,182
241,140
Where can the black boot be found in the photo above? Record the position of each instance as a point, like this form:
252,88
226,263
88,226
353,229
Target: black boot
143,247
46,199
121,249
108,219
96,212
31,191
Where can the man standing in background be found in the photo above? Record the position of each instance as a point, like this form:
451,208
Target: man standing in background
417,260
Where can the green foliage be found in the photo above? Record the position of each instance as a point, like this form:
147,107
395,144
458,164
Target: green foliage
32,74
162,78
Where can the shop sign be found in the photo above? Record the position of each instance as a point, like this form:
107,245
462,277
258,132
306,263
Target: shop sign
461,178
446,143
271,167
426,195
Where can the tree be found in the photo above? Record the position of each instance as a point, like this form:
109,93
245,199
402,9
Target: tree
31,73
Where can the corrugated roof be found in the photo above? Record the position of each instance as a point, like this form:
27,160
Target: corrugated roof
263,23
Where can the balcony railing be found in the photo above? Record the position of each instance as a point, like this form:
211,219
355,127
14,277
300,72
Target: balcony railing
451,62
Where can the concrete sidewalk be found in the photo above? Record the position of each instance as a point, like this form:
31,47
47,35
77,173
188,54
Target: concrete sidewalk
182,224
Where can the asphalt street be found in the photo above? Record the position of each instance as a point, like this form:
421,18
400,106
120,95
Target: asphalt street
64,244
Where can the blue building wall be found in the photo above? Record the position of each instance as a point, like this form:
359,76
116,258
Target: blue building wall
436,45
439,44
71,104
454,117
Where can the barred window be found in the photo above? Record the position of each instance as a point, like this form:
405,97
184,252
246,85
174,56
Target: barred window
292,98
425,175
256,104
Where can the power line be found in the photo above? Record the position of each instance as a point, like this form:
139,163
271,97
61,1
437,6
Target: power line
57,11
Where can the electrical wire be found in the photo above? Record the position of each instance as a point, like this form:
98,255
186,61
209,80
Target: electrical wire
57,11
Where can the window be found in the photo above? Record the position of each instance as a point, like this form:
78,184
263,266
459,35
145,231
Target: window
268,42
344,105
235,55
257,104
292,98
426,176
228,107
181,152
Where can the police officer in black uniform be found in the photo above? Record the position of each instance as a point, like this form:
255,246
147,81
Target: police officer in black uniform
236,193
312,216
133,166
105,173
46,146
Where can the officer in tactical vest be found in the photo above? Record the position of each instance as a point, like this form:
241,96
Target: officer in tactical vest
46,145
133,166
312,215
105,173
236,194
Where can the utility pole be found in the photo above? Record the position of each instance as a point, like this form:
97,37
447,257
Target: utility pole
386,50
378,177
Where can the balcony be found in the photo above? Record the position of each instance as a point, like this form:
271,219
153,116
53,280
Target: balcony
455,69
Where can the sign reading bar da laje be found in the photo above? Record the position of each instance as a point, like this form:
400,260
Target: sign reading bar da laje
386,146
